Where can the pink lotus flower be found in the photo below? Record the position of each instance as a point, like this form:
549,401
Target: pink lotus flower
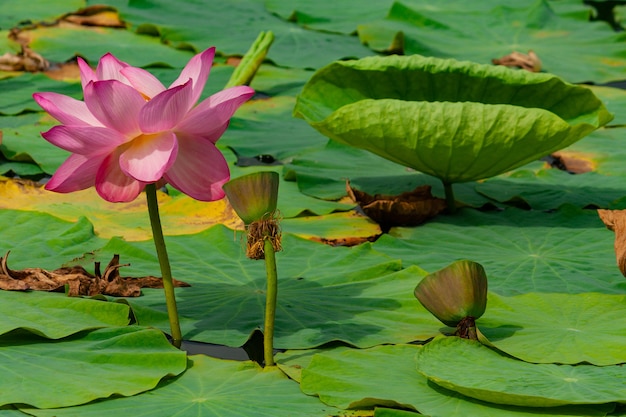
131,131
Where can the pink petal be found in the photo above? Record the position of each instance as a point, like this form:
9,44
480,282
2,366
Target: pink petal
84,140
214,113
197,69
116,105
200,169
109,68
86,73
167,109
115,186
66,110
148,157
78,172
143,81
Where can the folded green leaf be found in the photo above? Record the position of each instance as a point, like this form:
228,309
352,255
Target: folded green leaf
458,121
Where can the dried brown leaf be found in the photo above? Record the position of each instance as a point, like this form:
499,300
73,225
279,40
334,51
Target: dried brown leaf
407,209
615,220
78,281
529,62
26,60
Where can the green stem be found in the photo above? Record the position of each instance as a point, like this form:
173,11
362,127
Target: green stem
251,61
270,302
166,272
450,202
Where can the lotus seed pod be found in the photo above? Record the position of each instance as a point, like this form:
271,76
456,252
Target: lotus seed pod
253,196
454,292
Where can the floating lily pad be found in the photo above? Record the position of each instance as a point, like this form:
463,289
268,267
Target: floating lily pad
568,250
567,43
329,15
61,44
457,121
604,150
492,377
387,375
86,366
23,233
18,92
558,328
55,315
234,27
551,188
210,388
325,293
16,12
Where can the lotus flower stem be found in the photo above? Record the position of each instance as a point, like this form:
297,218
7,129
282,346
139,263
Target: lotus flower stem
166,272
251,61
450,202
270,302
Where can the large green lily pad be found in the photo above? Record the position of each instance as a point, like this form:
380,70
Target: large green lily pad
568,250
64,241
457,121
210,388
558,328
325,293
567,43
489,376
86,366
55,315
386,375
234,26
550,188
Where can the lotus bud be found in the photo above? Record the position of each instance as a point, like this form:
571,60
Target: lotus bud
254,198
456,295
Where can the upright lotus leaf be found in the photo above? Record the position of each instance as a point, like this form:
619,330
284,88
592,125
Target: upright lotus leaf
457,121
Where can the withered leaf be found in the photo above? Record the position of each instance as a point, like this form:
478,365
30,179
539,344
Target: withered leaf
529,62
615,220
26,60
407,209
571,163
78,280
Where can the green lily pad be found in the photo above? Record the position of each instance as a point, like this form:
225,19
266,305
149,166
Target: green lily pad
386,375
558,328
23,143
58,44
568,250
210,388
329,15
573,48
490,376
325,293
55,315
16,12
551,188
234,27
604,151
18,92
63,241
263,127
615,101
86,366
457,121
